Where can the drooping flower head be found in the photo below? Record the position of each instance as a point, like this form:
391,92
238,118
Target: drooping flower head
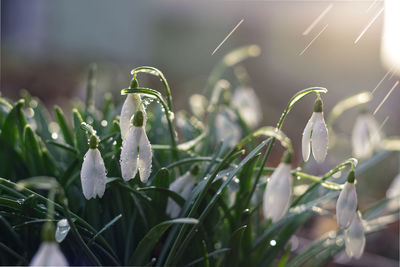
226,127
366,136
248,105
346,204
183,186
49,253
279,190
315,133
93,172
131,104
354,237
136,154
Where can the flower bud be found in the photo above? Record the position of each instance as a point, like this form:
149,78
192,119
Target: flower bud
129,107
183,186
355,238
248,105
366,136
279,191
346,204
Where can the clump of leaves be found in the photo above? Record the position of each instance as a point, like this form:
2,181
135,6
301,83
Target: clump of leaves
221,221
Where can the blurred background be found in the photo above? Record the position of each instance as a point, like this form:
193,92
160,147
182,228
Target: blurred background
47,45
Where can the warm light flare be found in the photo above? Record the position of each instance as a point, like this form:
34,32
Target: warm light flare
390,49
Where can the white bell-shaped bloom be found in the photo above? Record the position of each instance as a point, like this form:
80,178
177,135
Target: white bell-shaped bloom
278,193
49,254
93,174
226,128
129,107
183,186
366,136
315,133
136,154
346,205
355,238
248,105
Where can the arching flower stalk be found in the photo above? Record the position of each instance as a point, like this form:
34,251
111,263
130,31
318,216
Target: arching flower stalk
93,172
366,136
346,204
49,253
183,186
315,133
131,104
248,106
136,154
354,237
279,190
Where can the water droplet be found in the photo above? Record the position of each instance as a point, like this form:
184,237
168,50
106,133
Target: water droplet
272,243
62,230
34,103
54,135
104,123
20,201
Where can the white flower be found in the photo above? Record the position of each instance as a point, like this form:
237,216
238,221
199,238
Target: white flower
248,105
278,193
316,133
183,186
128,109
346,205
226,128
366,136
93,174
49,254
355,238
136,154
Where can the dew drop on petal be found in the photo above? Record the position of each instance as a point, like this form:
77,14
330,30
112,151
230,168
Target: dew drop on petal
62,230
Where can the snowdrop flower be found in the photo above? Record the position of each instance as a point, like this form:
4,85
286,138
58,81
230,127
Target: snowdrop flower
366,136
354,237
279,191
136,152
315,133
248,105
183,186
346,204
93,172
128,109
226,128
49,253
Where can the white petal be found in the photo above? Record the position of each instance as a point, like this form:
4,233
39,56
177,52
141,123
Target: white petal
305,141
183,186
93,174
248,105
362,146
226,128
129,153
145,156
319,137
346,205
278,193
49,254
128,109
355,238
394,188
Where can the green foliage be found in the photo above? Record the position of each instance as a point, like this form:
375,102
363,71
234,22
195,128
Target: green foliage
220,223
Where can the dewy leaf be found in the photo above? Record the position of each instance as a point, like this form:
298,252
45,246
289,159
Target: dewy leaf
33,155
146,245
270,132
62,122
81,138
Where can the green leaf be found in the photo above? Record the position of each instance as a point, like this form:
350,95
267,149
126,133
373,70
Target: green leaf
5,109
32,153
62,122
232,258
81,138
108,225
146,245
